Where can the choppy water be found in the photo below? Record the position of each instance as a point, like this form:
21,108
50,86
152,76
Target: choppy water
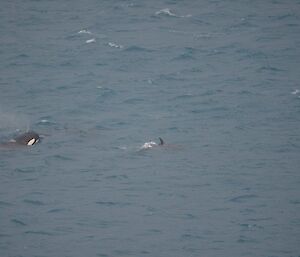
217,80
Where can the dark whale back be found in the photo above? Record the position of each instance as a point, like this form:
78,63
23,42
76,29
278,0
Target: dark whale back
28,138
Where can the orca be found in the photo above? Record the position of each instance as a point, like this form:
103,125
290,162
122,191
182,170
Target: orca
27,138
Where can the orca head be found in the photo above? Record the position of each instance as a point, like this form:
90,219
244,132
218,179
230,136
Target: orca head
28,138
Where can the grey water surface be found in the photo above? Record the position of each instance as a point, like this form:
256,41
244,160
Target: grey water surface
219,81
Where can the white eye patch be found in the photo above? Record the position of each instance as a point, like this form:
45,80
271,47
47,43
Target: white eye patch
31,141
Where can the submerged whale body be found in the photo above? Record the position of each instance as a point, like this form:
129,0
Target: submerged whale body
27,138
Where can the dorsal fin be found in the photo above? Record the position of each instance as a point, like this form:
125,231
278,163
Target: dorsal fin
161,142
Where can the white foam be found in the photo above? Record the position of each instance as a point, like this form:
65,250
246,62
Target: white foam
295,92
84,31
148,145
92,40
167,11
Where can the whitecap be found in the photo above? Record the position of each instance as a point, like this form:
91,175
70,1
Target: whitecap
165,11
92,40
115,45
150,81
295,92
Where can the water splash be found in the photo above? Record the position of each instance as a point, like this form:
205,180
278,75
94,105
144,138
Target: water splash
148,145
84,31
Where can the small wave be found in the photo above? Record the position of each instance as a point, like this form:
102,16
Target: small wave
269,68
105,92
22,56
110,203
56,210
119,177
2,203
122,148
244,239
25,170
294,201
189,237
34,202
138,49
5,235
61,157
18,222
42,233
106,203
246,226
134,100
85,33
242,198
183,96
188,54
45,122
194,35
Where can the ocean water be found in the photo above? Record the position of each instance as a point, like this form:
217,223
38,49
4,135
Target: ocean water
219,81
